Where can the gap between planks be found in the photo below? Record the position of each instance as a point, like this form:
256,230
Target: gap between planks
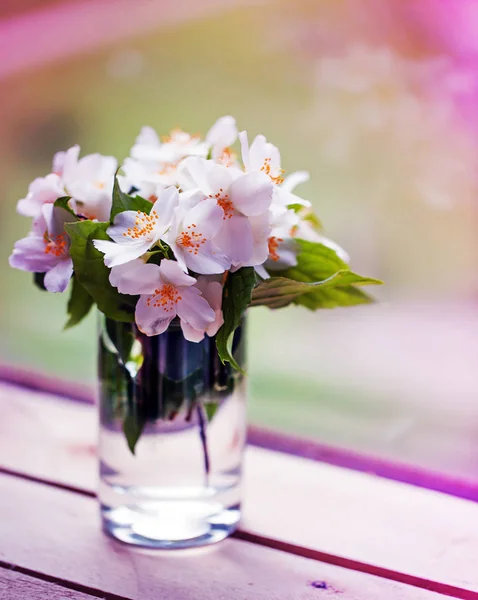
69,463
459,487
38,586
71,549
304,552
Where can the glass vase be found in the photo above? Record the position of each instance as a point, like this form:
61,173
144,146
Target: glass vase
172,435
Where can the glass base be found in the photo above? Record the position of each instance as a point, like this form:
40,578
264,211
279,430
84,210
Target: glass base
171,524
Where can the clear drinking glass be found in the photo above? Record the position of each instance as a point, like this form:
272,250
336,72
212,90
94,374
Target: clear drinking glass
181,486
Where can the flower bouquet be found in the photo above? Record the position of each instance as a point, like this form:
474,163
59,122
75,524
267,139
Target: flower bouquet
173,248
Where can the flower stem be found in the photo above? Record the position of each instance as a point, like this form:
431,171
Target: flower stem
202,434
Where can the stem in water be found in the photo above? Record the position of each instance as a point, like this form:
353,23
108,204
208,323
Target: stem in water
202,434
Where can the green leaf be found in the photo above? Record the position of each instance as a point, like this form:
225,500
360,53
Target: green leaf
315,262
319,280
39,281
63,203
79,304
123,201
334,297
93,274
235,299
210,408
133,428
278,292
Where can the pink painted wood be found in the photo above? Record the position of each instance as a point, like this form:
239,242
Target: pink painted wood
462,487
374,525
57,533
18,586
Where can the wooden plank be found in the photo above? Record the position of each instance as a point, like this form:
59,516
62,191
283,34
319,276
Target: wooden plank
60,536
18,586
326,509
454,484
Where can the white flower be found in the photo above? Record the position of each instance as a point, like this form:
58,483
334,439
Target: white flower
285,196
65,160
222,135
137,182
135,232
191,234
264,157
89,182
165,292
282,247
244,200
211,289
146,164
153,161
45,190
46,249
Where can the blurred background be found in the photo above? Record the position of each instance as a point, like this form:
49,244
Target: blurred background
377,99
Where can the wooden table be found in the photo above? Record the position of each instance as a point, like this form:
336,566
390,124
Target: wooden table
310,530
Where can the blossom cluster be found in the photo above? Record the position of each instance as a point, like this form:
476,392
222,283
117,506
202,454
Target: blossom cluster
205,213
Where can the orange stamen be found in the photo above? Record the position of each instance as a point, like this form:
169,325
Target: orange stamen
266,168
56,244
225,203
227,158
143,226
190,239
273,243
166,297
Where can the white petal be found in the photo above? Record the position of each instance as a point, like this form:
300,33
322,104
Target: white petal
122,222
257,152
70,160
29,255
119,254
294,179
191,334
283,221
41,190
260,234
118,272
245,150
261,149
208,261
207,217
235,239
55,219
152,320
251,194
213,294
192,174
57,278
285,198
164,208
188,200
211,289
135,277
125,222
147,137
172,273
221,135
260,270
194,309
178,252
219,179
